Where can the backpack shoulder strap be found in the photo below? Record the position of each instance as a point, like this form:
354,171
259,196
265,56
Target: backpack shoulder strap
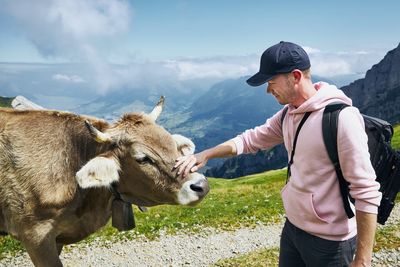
285,109
330,121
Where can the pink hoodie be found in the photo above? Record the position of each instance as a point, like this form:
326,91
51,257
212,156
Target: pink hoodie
312,198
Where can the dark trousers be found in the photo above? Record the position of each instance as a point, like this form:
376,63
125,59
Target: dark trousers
299,248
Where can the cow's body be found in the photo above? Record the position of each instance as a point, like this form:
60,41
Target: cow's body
55,177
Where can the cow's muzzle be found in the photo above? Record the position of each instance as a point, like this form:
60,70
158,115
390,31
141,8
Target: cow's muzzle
193,190
200,187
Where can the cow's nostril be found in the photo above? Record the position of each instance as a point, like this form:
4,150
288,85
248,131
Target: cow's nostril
200,187
196,188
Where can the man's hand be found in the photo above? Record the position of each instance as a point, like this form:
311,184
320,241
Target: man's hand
190,163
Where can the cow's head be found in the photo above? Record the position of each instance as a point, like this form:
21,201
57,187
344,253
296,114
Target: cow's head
141,162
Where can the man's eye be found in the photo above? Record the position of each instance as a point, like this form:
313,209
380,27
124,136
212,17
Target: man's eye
144,160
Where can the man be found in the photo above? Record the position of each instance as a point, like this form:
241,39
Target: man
317,231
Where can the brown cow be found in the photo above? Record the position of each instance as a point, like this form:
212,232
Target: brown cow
57,174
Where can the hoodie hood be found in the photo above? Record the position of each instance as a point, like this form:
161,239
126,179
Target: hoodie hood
325,95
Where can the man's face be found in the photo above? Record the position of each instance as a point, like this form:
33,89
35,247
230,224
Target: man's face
282,87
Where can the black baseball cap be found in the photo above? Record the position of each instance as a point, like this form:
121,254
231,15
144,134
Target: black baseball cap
280,58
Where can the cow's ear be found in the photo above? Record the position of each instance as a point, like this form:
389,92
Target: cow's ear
98,172
185,145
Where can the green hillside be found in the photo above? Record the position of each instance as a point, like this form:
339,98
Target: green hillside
5,101
396,137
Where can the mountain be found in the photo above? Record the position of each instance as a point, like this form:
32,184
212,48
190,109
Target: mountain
242,165
378,94
135,99
225,110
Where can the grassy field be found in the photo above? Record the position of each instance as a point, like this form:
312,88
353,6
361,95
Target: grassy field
231,204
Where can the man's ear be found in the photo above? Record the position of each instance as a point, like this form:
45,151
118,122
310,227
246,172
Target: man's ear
98,172
185,145
297,74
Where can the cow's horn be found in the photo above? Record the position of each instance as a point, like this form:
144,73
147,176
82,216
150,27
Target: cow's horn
157,109
96,134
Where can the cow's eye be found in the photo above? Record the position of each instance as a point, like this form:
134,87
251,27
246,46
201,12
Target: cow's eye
144,160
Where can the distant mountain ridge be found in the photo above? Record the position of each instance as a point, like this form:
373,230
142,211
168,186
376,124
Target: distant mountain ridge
225,110
245,164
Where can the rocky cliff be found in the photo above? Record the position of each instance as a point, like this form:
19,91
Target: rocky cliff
378,94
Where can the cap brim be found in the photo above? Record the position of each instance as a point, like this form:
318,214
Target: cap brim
259,79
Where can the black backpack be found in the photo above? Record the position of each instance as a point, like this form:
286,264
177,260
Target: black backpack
385,161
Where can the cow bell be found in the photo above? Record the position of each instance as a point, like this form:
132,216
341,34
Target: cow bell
122,215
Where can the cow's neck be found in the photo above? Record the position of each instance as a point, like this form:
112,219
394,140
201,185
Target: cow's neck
101,205
94,206
97,202
91,211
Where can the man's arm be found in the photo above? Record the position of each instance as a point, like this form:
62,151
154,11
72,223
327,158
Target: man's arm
366,226
192,163
358,171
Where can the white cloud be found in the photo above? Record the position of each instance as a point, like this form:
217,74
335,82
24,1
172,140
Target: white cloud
330,64
222,68
67,78
332,68
63,28
323,63
311,50
84,19
74,29
174,73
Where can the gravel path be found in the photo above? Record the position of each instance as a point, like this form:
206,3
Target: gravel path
185,249
180,250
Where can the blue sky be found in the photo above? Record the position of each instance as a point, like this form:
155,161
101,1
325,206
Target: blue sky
159,30
207,28
174,29
177,40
